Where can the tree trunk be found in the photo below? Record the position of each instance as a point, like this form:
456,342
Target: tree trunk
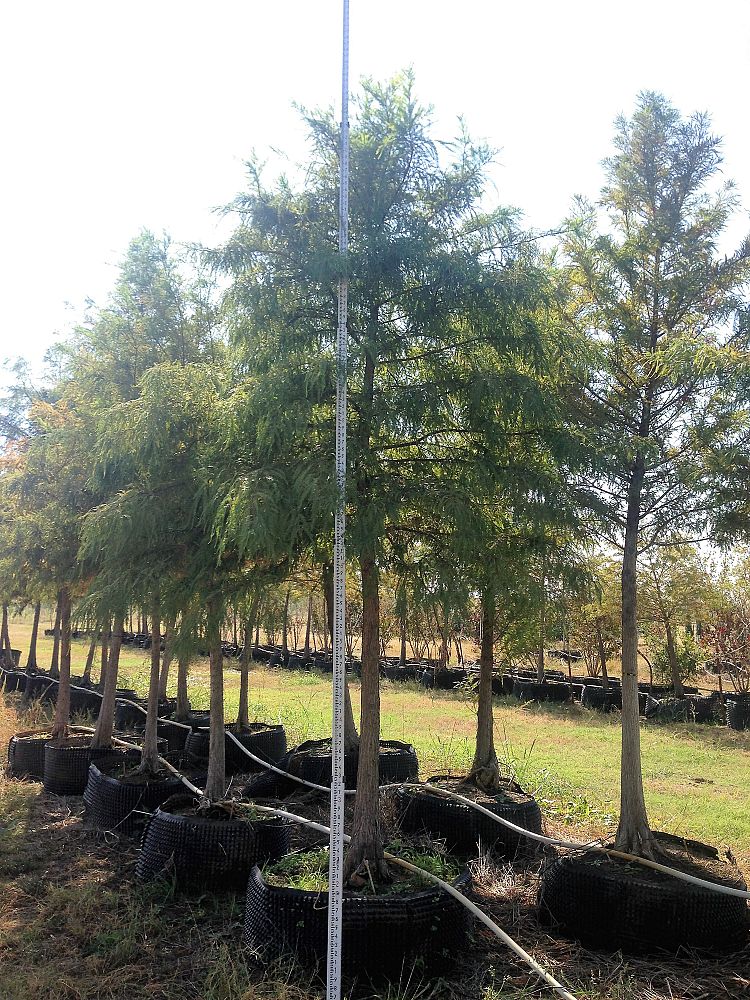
602,656
167,658
31,663
674,667
150,749
257,629
106,722
285,626
54,667
633,833
366,847
90,656
62,709
183,703
542,618
485,770
308,626
216,778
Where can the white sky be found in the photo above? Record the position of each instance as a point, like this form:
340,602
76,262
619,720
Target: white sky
122,115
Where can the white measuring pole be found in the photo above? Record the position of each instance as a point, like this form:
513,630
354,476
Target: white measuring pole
335,871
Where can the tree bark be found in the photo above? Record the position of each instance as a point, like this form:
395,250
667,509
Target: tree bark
106,722
633,833
90,656
150,749
54,667
62,709
31,663
167,658
485,770
366,847
216,778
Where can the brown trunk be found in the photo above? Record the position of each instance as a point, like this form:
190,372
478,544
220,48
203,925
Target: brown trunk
105,723
285,626
183,703
31,663
485,770
308,626
62,709
674,667
602,656
150,749
216,778
167,658
633,833
90,655
54,667
366,847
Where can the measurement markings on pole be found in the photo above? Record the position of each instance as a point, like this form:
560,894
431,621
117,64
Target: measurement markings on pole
336,848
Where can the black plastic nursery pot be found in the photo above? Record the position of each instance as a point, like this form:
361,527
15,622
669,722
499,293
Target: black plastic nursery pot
266,741
129,716
382,935
14,680
527,690
66,768
601,700
206,851
442,680
26,754
38,686
738,712
116,804
84,700
608,903
312,761
466,830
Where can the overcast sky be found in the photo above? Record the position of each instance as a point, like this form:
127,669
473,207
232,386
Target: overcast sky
122,115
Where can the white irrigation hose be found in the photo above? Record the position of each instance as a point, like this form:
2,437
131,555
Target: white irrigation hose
286,774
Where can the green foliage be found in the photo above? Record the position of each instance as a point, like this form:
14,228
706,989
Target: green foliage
690,659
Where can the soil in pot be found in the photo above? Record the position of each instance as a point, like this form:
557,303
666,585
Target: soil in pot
209,847
464,829
609,903
385,928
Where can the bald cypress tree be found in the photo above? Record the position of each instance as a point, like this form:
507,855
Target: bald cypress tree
656,303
